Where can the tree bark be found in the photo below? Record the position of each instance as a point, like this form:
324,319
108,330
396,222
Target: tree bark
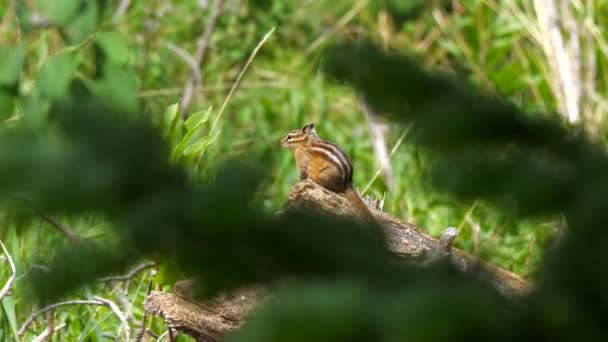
209,321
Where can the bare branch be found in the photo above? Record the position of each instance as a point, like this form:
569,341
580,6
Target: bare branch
35,314
130,274
122,300
140,333
52,221
61,227
195,79
56,329
9,283
99,301
119,314
193,63
443,249
50,328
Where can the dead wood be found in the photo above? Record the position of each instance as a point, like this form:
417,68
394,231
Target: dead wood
209,321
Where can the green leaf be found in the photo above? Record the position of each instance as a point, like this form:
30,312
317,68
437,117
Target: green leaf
61,12
114,47
117,88
171,117
178,150
55,75
35,110
85,22
6,105
200,145
197,119
10,67
8,306
192,124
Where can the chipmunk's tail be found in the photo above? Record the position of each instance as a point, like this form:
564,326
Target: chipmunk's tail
360,206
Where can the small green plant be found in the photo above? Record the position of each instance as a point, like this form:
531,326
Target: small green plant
184,135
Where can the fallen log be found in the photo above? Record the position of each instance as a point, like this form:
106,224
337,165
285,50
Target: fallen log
209,321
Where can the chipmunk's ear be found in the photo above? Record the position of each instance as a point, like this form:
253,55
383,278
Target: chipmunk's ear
310,128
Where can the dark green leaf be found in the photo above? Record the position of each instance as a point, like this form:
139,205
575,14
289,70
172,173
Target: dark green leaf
117,88
10,67
35,109
114,47
6,105
55,75
85,23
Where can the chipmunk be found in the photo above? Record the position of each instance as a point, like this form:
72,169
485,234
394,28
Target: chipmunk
326,164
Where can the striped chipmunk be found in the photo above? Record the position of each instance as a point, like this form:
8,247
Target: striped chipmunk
326,164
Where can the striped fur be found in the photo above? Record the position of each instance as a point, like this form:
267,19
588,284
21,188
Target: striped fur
336,156
308,137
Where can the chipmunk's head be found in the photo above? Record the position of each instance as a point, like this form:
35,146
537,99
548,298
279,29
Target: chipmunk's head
300,137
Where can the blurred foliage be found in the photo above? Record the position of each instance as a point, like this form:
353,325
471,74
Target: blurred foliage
91,131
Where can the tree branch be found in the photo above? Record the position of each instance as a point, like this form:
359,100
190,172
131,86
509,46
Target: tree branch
52,221
130,274
96,301
50,328
443,249
35,314
119,314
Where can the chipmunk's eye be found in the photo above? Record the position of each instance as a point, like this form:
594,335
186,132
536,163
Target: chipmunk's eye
289,136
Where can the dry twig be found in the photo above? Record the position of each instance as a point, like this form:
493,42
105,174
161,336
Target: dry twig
50,328
130,274
140,333
96,301
443,249
119,314
52,221
35,314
